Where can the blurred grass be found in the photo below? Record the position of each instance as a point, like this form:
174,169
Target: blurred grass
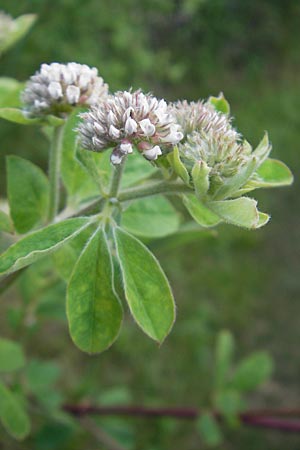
245,281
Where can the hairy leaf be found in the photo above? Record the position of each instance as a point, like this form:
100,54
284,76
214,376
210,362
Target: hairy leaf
241,211
12,414
11,356
28,193
147,289
151,217
40,243
200,213
93,309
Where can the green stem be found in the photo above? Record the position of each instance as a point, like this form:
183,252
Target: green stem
54,171
116,179
148,190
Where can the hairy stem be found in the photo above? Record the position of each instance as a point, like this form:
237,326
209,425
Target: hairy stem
152,189
54,171
116,179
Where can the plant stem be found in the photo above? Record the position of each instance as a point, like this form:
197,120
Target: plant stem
116,179
148,190
277,419
54,171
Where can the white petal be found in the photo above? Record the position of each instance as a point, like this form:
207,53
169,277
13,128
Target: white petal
126,148
116,158
147,127
55,90
130,126
152,153
73,94
114,132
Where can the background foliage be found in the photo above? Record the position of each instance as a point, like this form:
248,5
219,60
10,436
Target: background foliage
246,282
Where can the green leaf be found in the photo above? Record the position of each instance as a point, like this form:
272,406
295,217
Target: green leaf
137,169
78,183
21,26
224,355
12,414
272,173
220,103
230,404
200,177
252,371
178,166
18,116
40,243
11,356
241,211
147,289
209,429
40,375
263,149
93,309
200,213
28,193
70,252
151,217
5,223
10,90
229,188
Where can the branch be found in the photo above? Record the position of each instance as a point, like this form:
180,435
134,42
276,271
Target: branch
274,419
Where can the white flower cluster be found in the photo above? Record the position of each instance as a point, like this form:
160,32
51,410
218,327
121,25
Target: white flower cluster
7,25
126,119
55,88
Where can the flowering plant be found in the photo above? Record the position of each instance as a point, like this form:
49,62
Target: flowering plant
121,159
118,164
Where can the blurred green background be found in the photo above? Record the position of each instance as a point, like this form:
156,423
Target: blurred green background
245,281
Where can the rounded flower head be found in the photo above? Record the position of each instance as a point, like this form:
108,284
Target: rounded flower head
211,143
56,88
126,119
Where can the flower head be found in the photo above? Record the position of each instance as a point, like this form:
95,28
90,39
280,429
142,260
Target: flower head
126,119
211,142
56,88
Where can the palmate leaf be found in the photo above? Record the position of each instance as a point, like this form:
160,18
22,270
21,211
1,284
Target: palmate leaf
28,193
151,217
40,243
93,309
12,414
147,289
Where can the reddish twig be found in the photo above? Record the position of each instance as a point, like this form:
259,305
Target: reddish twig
267,418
